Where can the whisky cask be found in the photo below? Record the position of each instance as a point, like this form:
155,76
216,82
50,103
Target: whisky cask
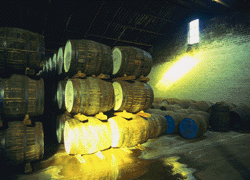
86,137
88,96
132,96
21,95
131,61
21,143
20,49
87,56
193,126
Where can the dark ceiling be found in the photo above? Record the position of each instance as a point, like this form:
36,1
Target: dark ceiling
134,23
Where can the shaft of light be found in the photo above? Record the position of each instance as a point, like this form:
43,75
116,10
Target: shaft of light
177,71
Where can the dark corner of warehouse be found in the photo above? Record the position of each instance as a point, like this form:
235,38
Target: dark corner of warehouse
125,90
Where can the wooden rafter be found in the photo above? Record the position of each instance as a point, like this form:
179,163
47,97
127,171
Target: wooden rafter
121,40
138,29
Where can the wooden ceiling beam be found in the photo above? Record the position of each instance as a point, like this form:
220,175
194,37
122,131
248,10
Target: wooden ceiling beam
138,29
121,40
142,13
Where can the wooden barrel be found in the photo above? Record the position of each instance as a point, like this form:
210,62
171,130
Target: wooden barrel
21,143
186,103
205,114
89,96
132,96
170,107
188,111
172,101
201,105
60,55
87,56
157,125
131,61
173,120
226,103
220,118
240,118
20,49
153,111
60,123
21,95
128,133
86,137
193,126
156,106
61,94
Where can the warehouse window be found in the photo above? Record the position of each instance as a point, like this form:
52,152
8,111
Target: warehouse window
193,32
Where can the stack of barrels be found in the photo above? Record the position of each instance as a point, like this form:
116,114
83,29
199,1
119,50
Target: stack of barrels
21,96
92,81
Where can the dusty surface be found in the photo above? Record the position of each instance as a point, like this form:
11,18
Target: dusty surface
213,156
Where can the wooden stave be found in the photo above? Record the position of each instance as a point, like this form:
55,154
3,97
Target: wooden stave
87,66
32,105
87,107
22,143
83,145
129,65
145,96
31,53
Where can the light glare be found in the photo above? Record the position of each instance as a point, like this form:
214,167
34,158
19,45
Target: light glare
178,70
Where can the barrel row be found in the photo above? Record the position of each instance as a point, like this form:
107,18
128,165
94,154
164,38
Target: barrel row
166,104
92,95
93,58
224,116
93,135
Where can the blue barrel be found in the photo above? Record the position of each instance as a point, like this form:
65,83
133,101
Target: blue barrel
173,120
193,126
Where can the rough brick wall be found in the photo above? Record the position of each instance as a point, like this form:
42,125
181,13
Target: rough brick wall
223,73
